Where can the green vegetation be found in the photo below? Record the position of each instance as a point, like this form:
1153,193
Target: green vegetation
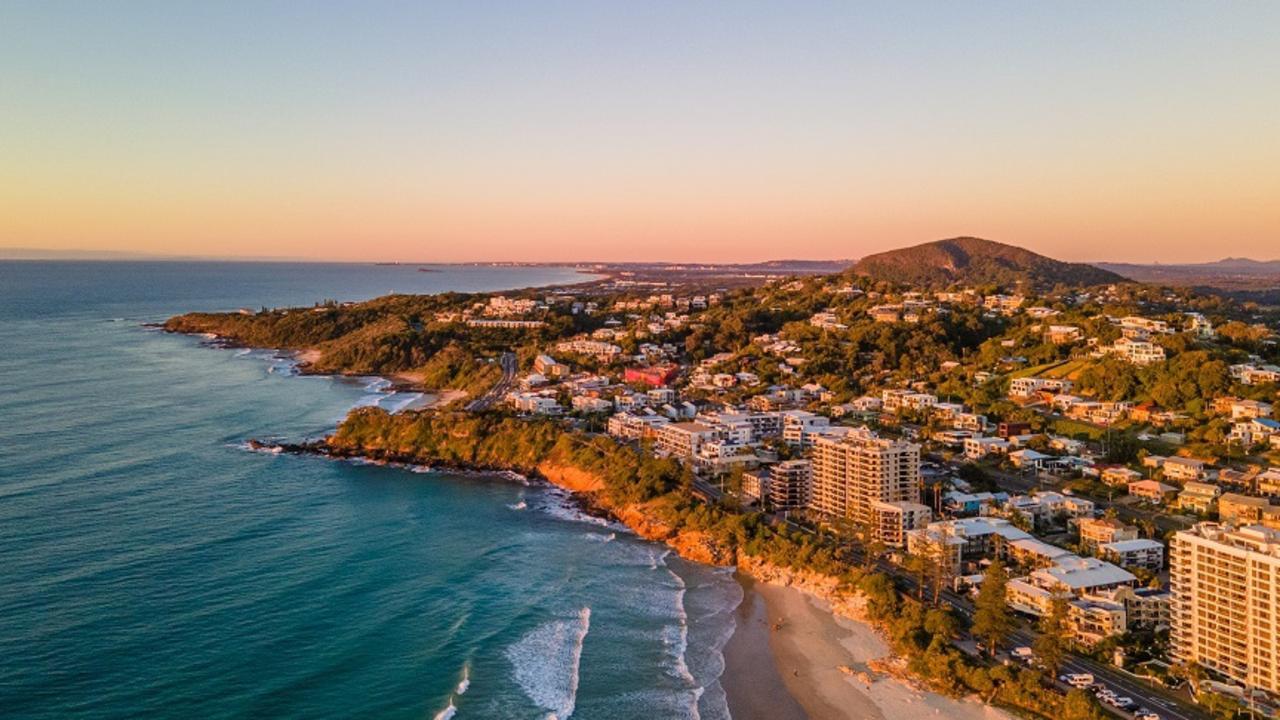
975,261
992,619
924,634
631,476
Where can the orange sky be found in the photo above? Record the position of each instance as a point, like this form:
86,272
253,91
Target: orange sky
718,133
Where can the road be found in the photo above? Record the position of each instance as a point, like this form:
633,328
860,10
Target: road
500,389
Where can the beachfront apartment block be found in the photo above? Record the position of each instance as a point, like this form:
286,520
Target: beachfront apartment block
860,468
1226,602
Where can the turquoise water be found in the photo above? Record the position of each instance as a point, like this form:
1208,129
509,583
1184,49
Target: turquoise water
150,566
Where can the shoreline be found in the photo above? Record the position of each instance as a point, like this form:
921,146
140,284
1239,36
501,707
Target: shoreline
792,655
797,650
825,661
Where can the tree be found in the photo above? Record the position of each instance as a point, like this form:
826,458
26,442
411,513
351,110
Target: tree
1079,706
992,620
1049,645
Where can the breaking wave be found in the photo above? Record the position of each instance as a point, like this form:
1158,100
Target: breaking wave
547,661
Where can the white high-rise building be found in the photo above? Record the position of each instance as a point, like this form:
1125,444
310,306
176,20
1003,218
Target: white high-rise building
1226,602
852,472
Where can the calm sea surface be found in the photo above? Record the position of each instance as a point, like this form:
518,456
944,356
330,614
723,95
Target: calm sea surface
152,567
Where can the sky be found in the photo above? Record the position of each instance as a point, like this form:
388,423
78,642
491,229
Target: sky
682,131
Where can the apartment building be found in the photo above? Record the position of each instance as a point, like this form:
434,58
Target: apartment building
799,427
893,520
790,484
1135,553
1226,606
855,470
1243,510
684,439
1198,496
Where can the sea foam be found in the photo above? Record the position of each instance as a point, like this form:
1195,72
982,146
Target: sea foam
547,662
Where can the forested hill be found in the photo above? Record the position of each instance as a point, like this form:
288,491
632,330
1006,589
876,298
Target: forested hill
974,261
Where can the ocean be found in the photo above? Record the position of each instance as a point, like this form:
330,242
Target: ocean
152,566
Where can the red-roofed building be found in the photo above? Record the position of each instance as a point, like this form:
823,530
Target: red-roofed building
653,375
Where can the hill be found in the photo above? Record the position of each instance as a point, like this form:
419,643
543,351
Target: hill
975,261
1228,273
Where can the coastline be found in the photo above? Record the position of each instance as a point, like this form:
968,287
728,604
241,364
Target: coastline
798,649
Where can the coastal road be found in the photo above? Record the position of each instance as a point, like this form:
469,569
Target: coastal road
500,389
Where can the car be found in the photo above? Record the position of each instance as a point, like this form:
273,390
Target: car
1145,714
1079,680
1124,703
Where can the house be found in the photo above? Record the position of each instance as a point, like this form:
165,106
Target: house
1253,431
959,503
535,403
1156,492
1250,409
627,426
976,448
1095,532
1198,496
1066,445
1118,475
1247,510
588,404
1183,469
1030,459
1135,553
1025,387
1267,483
1138,352
1062,334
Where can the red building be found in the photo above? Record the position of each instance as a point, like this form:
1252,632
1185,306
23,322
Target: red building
654,375
1009,429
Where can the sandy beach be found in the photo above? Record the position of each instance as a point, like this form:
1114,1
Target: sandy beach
808,646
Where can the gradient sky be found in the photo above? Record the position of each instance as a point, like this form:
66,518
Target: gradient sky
477,130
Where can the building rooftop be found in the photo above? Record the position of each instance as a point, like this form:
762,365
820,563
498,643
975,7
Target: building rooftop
1080,573
1121,546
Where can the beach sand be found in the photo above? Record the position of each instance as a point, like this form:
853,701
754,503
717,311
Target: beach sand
751,682
809,646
